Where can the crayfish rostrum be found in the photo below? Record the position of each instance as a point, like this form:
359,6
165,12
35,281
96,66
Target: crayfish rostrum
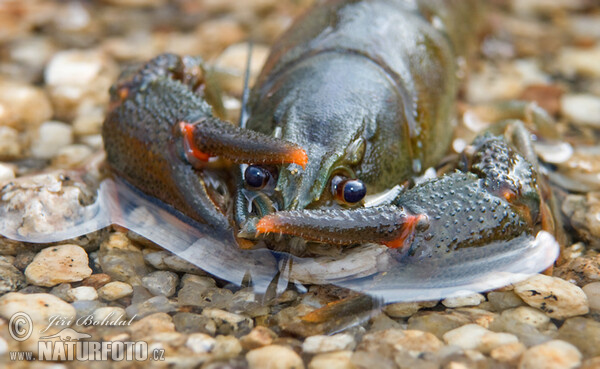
355,101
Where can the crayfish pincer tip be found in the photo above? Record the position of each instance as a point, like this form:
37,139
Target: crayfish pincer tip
298,156
267,224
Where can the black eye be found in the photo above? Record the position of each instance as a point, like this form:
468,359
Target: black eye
349,191
256,177
354,190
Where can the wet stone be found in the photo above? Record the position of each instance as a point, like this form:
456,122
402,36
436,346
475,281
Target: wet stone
192,323
151,325
154,305
11,278
394,340
115,290
96,280
122,260
164,260
580,270
161,283
245,301
274,357
551,355
86,308
212,297
475,337
592,291
82,293
58,264
332,360
406,309
530,325
229,323
322,344
39,306
10,143
503,300
62,291
258,337
468,300
556,297
50,138
200,343
509,353
582,332
226,347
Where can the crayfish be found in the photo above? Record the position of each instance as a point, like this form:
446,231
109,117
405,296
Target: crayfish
355,100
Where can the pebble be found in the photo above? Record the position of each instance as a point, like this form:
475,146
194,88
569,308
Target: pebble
406,309
153,305
191,323
3,346
440,322
592,291
85,308
96,280
22,106
7,171
584,333
165,260
473,299
274,357
212,297
11,278
71,156
475,337
50,137
62,291
558,298
579,61
503,300
530,325
232,62
83,293
10,143
161,283
401,340
58,264
593,363
200,343
551,355
258,337
332,360
581,109
229,322
226,347
322,344
509,353
115,290
151,325
114,315
39,306
122,260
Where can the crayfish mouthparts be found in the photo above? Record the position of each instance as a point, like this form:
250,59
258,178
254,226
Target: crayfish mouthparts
209,136
389,225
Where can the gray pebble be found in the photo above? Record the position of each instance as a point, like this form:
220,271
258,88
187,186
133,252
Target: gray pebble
161,283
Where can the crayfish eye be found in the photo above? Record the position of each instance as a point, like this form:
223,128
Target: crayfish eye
256,177
349,191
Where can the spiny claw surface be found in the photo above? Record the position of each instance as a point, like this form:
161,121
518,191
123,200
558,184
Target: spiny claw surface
212,137
389,225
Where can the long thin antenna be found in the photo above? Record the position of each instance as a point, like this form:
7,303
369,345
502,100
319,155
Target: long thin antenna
246,91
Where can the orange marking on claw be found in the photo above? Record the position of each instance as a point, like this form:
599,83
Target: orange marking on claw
267,224
188,135
123,93
298,157
408,229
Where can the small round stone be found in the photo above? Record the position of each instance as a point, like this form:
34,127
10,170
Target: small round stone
473,299
332,360
115,290
274,357
592,291
58,264
321,344
161,283
83,293
50,138
39,306
200,343
551,355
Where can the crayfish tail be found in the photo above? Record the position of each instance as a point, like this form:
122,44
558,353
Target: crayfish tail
389,225
214,137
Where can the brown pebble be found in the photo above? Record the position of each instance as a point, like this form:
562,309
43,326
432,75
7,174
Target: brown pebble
96,280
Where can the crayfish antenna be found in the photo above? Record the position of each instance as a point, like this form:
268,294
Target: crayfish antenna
390,225
209,137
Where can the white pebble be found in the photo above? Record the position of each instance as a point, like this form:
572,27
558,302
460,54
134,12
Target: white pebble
6,172
581,108
475,337
322,344
592,291
115,290
51,137
332,360
39,306
473,299
274,357
83,293
200,343
58,264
